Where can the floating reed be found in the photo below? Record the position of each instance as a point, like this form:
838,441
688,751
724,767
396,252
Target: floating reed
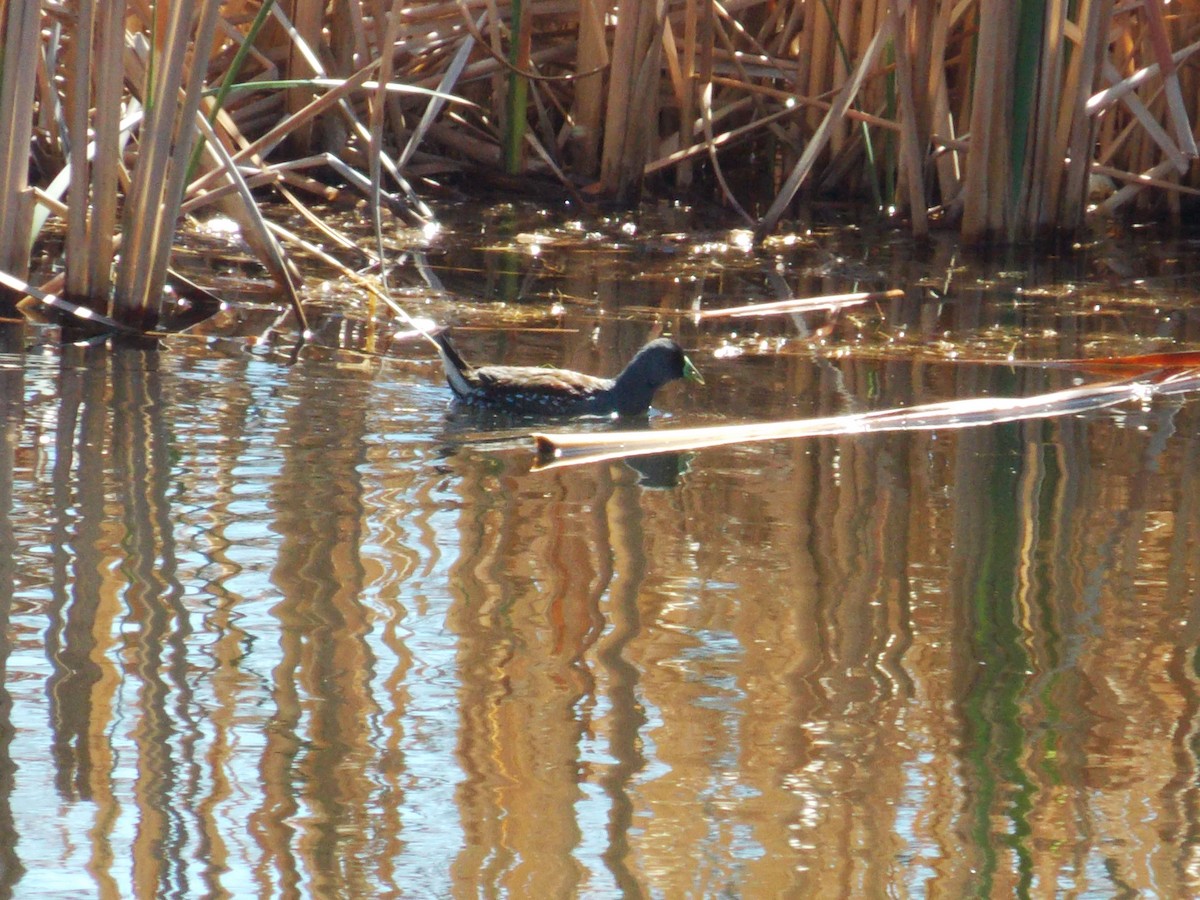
1174,376
827,303
983,116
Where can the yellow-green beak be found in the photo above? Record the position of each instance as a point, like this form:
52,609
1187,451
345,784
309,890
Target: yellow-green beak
690,372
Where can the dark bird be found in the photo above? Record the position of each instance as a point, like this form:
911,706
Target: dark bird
533,390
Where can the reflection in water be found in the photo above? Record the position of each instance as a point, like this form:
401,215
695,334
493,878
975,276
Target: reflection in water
290,630
12,391
660,470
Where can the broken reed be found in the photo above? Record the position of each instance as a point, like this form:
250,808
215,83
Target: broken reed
988,116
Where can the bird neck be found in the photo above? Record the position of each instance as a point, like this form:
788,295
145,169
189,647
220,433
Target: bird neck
633,389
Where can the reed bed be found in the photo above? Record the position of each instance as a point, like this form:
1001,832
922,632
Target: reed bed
1004,121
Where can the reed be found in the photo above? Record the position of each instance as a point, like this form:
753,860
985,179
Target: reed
1157,375
20,74
982,116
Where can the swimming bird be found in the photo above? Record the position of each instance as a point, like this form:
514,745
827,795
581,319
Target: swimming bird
534,390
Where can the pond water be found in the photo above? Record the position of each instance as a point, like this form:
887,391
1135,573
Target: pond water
282,622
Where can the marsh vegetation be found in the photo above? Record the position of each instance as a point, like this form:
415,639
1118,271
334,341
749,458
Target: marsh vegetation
996,121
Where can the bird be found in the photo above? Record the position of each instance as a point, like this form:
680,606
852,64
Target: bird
536,390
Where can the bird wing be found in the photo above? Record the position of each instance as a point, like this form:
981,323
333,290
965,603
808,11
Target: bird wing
536,380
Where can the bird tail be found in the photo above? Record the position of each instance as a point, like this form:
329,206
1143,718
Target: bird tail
453,364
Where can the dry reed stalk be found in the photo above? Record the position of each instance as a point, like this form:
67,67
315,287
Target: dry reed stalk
564,449
687,102
1143,117
347,51
777,26
805,40
1094,19
817,143
322,227
290,174
49,114
879,93
20,72
948,166
77,102
850,42
107,167
544,154
704,80
419,209
821,48
445,86
51,203
586,121
911,155
722,140
375,154
632,99
338,90
165,145
827,303
985,181
498,82
1157,27
707,119
265,143
746,57
1069,86
673,62
1105,98
711,145
262,237
306,17
921,19
1138,182
47,298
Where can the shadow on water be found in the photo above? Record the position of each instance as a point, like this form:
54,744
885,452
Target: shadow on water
283,621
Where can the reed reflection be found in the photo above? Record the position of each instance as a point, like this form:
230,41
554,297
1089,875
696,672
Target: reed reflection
317,815
896,642
1045,572
525,593
84,604
120,440
157,628
283,631
74,608
12,395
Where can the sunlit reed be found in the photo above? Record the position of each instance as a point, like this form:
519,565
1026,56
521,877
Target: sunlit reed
1001,121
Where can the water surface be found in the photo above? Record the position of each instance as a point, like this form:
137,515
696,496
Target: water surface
281,622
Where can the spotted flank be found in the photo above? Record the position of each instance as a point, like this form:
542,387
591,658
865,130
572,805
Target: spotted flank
532,390
522,401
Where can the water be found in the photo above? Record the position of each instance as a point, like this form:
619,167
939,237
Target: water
285,624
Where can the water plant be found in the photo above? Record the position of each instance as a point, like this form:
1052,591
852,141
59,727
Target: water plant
999,120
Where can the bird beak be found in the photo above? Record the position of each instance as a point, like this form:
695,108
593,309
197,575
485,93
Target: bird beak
690,372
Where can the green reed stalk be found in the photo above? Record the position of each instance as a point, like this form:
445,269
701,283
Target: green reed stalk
517,98
231,77
1028,58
